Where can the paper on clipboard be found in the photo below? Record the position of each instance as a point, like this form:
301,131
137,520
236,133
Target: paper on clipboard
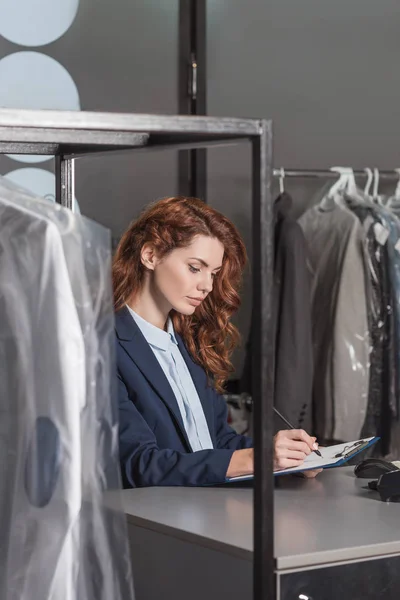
332,456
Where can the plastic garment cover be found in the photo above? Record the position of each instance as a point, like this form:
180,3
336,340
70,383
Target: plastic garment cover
383,235
58,422
390,229
392,208
382,389
355,246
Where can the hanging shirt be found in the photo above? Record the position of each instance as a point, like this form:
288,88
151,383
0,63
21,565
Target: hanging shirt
58,428
166,350
42,390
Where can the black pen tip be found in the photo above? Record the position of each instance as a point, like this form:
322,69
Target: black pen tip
318,453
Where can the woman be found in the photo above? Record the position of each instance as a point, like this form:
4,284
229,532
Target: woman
176,275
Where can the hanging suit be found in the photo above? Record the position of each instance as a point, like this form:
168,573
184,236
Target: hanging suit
341,340
291,322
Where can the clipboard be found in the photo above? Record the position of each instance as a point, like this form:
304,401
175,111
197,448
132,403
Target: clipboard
332,456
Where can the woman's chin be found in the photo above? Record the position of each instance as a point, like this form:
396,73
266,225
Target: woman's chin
184,308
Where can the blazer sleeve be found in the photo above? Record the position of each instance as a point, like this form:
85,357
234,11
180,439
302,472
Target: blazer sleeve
143,463
226,436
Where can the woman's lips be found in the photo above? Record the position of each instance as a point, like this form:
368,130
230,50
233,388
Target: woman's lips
194,301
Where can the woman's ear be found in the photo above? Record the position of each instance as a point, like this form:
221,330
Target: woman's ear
148,256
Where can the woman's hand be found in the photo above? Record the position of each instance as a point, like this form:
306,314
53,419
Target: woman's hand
290,449
311,474
291,446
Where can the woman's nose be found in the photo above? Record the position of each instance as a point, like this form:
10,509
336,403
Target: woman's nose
206,285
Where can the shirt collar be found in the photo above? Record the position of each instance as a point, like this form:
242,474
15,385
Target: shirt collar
171,331
154,335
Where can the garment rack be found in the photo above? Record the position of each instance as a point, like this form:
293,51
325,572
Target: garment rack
69,135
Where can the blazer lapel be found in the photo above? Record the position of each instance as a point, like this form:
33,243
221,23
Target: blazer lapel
200,382
135,344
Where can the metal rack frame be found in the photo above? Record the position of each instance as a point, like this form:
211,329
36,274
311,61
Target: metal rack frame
328,174
70,135
192,91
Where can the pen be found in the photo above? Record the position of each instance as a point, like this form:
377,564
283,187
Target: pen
292,427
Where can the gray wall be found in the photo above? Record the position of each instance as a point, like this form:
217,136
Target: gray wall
325,72
123,57
128,63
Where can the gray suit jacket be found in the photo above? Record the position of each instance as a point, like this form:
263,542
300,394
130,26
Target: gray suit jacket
337,249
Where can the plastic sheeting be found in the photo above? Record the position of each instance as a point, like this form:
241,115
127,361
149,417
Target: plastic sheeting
58,422
383,387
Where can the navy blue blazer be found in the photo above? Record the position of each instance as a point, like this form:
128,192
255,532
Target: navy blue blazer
154,447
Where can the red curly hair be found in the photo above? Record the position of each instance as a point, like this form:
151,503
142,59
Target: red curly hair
172,223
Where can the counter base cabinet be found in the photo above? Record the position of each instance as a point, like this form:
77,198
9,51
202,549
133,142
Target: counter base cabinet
377,579
333,541
168,568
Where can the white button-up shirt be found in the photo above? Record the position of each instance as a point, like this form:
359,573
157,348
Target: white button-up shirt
166,350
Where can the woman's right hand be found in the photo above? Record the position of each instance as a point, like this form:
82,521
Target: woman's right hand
291,446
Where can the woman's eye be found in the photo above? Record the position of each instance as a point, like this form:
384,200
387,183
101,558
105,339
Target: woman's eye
193,269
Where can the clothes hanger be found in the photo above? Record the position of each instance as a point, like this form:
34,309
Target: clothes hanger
356,195
394,200
281,180
334,196
346,182
351,184
353,193
369,181
375,191
397,190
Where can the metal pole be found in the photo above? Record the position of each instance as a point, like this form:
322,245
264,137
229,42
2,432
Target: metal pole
192,91
327,174
65,181
263,366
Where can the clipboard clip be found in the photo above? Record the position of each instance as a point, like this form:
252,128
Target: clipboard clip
348,450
